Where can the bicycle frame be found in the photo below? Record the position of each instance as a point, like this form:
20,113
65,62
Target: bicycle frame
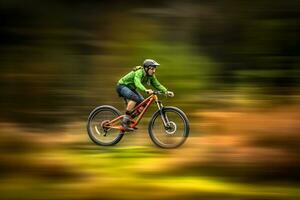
146,104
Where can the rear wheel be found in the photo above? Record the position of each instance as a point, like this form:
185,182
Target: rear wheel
97,130
175,134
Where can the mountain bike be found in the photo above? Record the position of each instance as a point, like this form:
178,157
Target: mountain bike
168,126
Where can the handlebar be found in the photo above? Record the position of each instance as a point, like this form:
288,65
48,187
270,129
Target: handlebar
156,92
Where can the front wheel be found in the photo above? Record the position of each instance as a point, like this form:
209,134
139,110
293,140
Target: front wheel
175,133
96,126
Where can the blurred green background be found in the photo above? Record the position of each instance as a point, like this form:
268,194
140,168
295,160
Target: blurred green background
233,66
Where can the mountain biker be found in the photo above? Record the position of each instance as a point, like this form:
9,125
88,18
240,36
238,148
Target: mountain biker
135,79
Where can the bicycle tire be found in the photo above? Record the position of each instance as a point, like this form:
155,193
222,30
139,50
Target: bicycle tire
185,133
93,130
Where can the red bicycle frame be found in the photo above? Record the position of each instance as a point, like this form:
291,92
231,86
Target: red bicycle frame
146,104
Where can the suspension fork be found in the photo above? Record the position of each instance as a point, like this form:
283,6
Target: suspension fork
162,114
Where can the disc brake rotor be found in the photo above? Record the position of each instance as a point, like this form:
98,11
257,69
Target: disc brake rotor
171,129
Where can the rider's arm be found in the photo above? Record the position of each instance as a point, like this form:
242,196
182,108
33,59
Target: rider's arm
137,80
155,83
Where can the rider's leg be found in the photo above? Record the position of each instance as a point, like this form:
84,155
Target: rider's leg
126,118
132,98
141,99
135,98
130,105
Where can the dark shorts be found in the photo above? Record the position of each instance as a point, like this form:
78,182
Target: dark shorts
130,94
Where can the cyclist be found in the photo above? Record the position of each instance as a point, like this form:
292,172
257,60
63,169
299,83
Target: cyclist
135,79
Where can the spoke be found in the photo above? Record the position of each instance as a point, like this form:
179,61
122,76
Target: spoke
170,136
100,129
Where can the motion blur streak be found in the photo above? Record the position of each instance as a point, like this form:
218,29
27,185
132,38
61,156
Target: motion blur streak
233,66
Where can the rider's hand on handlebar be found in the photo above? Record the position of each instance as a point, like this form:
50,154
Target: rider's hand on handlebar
149,91
170,94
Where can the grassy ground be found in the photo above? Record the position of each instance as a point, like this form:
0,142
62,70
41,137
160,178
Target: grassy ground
211,165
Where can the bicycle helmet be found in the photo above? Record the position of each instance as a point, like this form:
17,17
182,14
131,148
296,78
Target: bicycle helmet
150,63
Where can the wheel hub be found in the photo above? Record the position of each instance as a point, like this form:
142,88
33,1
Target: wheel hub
171,129
103,129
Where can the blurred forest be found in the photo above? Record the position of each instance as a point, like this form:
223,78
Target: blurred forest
233,66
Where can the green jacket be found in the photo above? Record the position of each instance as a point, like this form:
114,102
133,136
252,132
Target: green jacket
137,77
